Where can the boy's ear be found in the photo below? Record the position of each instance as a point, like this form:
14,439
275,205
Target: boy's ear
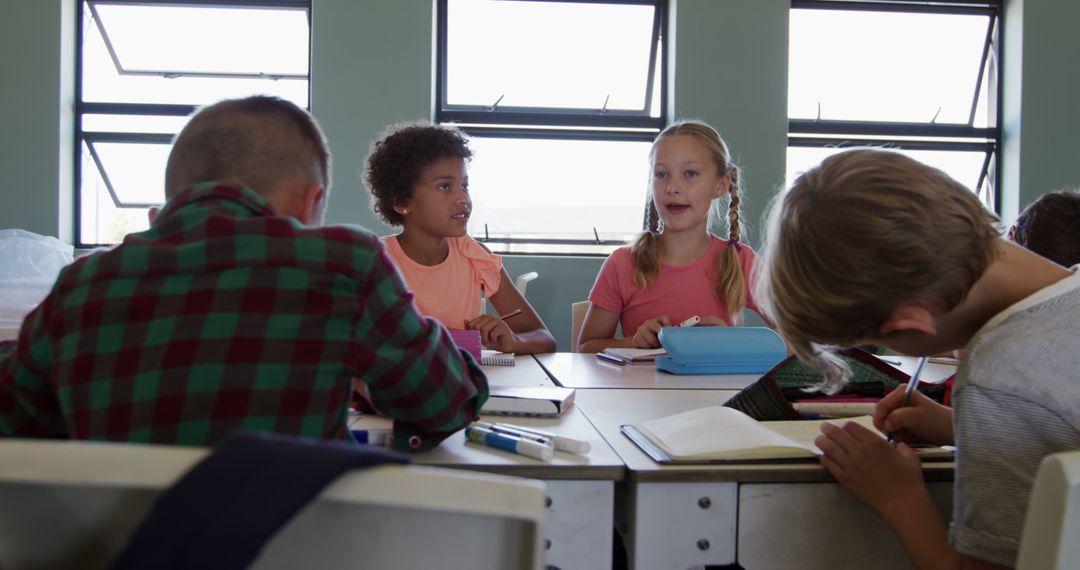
915,317
312,200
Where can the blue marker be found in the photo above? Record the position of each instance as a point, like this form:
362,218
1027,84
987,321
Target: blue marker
373,436
509,443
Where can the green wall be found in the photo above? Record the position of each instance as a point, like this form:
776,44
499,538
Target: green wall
37,40
1041,115
372,65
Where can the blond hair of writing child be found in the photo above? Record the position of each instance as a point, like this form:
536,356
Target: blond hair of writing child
417,176
872,246
677,268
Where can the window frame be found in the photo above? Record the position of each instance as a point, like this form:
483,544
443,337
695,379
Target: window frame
82,107
554,123
818,133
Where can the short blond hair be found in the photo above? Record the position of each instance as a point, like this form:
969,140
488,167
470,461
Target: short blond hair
858,235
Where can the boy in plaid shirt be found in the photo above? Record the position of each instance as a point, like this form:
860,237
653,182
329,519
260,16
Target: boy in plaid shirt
235,310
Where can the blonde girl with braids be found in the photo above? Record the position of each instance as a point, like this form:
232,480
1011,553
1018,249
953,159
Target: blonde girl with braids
676,269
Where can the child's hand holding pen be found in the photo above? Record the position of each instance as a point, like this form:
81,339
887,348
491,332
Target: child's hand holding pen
494,332
920,420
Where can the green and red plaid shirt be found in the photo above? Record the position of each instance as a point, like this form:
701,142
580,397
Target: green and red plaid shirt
222,316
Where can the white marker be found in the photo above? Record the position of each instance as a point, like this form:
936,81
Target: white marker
692,321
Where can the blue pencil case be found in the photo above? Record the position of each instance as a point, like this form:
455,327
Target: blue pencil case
720,350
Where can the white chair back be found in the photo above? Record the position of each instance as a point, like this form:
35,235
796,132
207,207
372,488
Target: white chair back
522,281
1052,524
577,318
75,504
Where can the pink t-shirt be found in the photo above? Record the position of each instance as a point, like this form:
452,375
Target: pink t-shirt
680,291
450,291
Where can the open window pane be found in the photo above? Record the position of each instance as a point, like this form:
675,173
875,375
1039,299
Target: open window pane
133,124
100,221
548,54
136,171
103,82
558,189
882,66
963,166
188,39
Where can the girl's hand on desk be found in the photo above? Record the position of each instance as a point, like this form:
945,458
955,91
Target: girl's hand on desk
884,477
922,420
494,332
712,321
646,335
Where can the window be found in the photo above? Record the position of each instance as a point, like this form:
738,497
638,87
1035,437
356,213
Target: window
143,67
561,100
918,77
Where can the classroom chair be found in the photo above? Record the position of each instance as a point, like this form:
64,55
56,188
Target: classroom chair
577,318
66,504
522,281
1052,523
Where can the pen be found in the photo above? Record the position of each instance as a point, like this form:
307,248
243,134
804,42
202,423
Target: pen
562,443
910,387
610,358
516,432
513,313
510,443
692,321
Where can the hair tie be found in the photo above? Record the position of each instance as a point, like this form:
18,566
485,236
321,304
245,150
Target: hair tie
735,242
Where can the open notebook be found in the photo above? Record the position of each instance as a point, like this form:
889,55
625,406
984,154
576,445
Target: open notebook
725,435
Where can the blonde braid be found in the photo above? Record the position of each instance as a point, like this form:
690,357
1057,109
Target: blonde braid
730,278
647,250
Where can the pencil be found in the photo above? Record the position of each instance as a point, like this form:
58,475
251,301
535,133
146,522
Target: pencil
513,313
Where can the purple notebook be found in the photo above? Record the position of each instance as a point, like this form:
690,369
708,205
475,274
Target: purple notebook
467,340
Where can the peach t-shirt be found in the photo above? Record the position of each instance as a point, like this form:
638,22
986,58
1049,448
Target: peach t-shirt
450,291
680,291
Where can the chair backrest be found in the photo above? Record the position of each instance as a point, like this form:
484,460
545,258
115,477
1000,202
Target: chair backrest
522,281
577,318
74,505
1052,523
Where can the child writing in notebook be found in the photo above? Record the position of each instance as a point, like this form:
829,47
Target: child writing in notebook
676,269
418,180
873,246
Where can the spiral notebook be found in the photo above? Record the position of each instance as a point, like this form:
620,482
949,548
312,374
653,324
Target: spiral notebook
496,358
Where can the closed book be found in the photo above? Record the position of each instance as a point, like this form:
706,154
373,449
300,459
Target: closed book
630,355
719,434
528,400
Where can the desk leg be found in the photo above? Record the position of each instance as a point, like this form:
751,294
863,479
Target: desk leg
677,525
578,524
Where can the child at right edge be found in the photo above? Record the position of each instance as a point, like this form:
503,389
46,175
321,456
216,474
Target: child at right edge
872,246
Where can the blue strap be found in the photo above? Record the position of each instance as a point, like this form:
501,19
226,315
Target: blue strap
222,512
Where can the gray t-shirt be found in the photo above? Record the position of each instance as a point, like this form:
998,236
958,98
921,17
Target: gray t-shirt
1016,400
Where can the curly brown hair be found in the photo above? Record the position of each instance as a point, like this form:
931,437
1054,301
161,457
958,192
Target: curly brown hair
398,158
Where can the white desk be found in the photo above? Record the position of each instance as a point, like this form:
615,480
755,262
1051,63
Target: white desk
525,372
761,516
580,488
584,370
